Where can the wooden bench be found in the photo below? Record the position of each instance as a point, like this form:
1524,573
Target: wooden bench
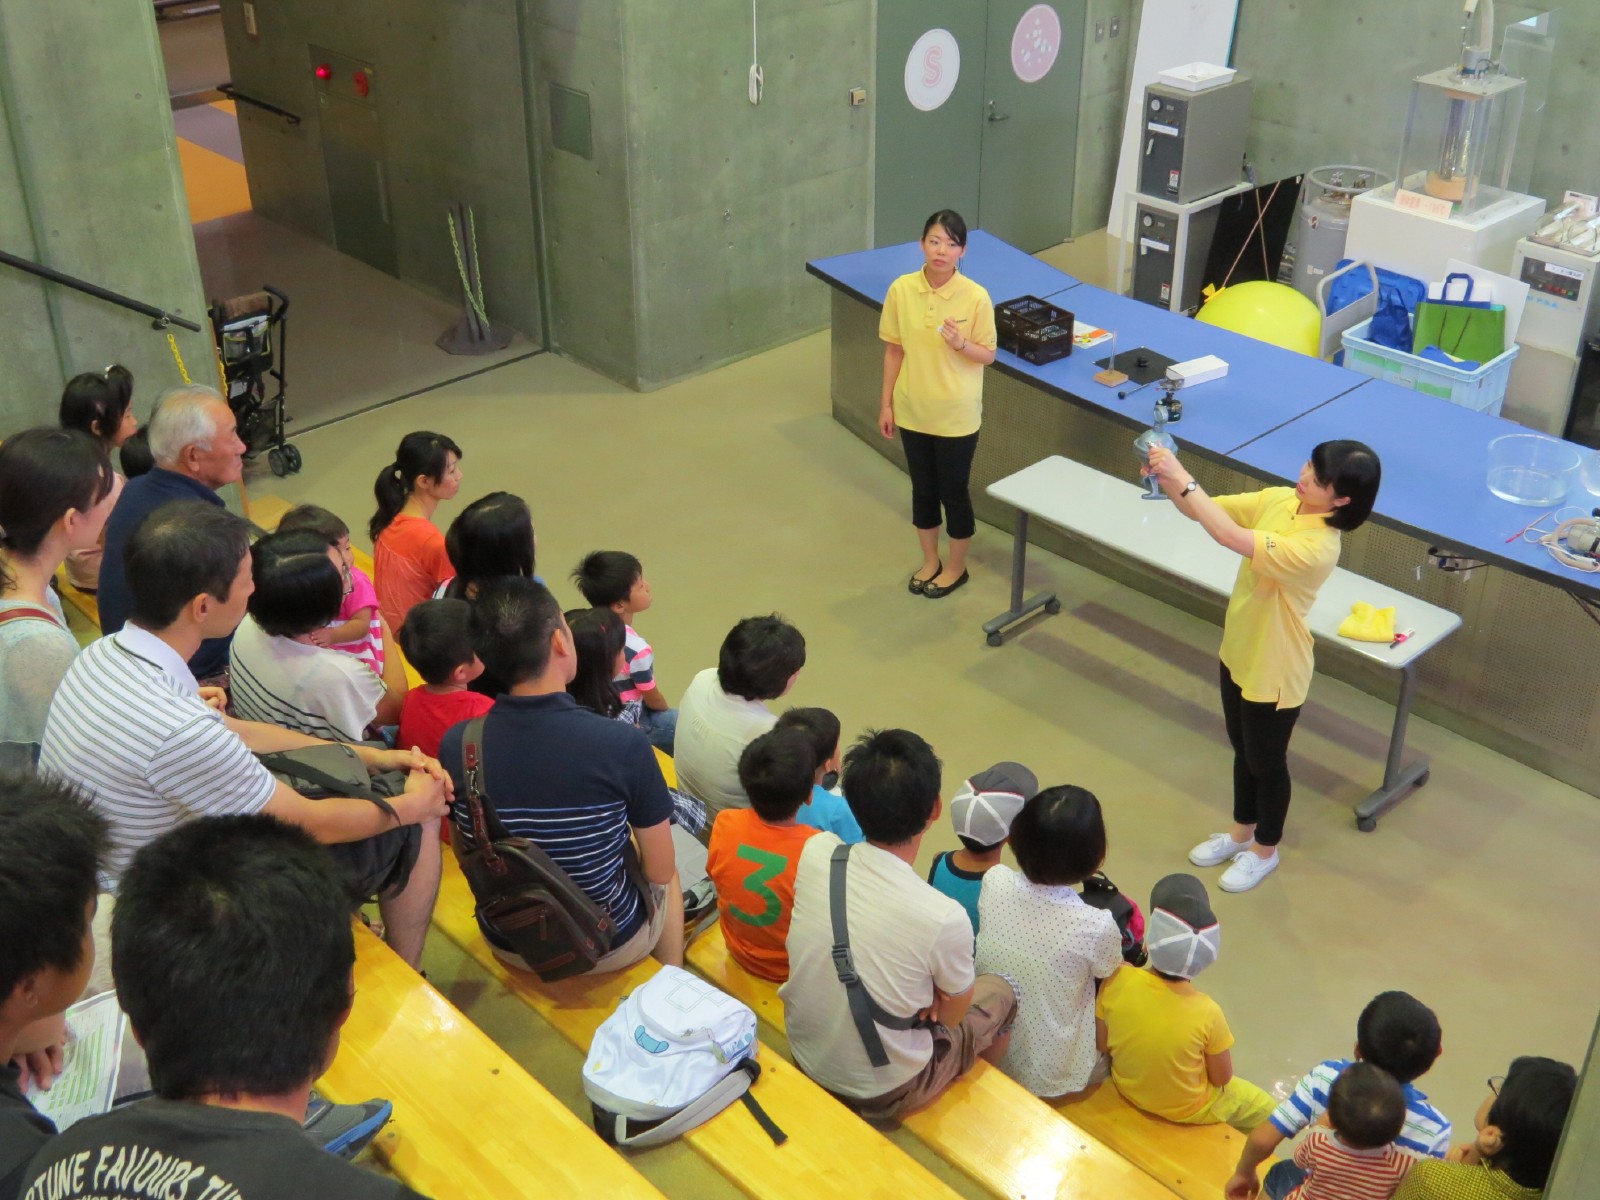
1108,511
468,1121
986,1125
264,512
830,1151
1192,1160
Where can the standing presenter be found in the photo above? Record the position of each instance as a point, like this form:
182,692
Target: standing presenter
939,327
1289,540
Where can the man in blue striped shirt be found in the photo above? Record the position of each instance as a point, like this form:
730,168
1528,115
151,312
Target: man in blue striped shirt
1397,1032
576,784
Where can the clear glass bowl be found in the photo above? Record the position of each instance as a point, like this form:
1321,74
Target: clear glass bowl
1528,468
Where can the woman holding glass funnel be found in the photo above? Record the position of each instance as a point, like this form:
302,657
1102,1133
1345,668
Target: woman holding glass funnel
1288,539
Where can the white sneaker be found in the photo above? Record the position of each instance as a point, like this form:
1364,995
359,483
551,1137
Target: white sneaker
1216,850
1248,869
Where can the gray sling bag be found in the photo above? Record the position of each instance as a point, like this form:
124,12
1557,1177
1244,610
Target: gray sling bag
866,1012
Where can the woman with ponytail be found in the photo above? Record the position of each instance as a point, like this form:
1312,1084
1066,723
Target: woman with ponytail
409,559
100,403
56,491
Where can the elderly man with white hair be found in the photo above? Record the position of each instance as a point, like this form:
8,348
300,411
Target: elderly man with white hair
196,446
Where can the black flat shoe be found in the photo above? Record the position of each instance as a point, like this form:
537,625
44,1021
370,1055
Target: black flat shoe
917,586
934,592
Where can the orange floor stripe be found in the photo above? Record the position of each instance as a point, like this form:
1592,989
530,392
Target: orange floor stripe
215,184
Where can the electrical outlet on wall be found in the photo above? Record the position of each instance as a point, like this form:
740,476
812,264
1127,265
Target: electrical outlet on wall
250,19
1116,26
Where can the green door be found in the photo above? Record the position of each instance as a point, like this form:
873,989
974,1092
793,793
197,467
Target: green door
929,113
1030,120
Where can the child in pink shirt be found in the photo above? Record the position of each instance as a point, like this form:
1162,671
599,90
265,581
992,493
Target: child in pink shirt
358,630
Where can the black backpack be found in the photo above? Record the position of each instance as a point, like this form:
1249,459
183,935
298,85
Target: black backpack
1100,892
525,901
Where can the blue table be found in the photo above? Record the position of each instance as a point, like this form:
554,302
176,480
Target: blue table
1264,388
1435,460
1004,271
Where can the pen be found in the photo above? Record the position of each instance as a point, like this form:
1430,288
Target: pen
1400,637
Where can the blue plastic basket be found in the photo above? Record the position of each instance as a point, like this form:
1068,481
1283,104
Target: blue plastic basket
1482,390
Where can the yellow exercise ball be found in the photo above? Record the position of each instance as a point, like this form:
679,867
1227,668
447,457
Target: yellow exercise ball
1268,312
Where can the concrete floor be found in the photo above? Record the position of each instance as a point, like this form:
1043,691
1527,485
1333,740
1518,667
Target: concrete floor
1476,894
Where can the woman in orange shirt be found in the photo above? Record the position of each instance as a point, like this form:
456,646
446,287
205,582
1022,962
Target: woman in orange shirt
408,553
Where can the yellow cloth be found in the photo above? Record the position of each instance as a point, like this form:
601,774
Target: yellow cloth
939,391
1368,624
1158,1033
1239,1103
1430,1179
1266,642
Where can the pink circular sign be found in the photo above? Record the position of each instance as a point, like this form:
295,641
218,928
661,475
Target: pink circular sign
1036,43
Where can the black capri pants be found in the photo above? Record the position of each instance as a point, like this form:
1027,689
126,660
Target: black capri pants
1259,734
940,469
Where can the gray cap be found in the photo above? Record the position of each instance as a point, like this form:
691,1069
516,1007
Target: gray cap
1181,935
985,805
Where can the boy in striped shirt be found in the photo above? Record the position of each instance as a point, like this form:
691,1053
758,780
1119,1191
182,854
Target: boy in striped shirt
1354,1157
1395,1031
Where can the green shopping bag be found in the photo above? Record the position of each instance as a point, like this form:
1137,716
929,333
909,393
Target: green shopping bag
1464,328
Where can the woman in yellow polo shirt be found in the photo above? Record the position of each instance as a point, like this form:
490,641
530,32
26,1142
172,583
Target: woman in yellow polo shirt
1289,540
939,330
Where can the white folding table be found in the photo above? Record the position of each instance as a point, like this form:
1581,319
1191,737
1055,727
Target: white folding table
1110,512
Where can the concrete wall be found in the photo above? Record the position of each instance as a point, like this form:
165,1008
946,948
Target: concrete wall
449,89
89,185
1102,103
1332,82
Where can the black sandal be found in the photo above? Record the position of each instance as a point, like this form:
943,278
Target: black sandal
917,586
933,591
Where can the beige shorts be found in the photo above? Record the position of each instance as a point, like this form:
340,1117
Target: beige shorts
994,1007
619,958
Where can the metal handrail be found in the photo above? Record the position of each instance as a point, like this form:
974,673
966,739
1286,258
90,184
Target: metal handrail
160,318
233,93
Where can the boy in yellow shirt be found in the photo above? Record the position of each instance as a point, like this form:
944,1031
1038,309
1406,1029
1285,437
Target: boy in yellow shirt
1170,1045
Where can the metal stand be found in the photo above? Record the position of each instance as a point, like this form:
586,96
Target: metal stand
1396,781
1045,600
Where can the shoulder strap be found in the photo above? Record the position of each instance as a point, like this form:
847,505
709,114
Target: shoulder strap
30,613
864,1010
735,1085
486,827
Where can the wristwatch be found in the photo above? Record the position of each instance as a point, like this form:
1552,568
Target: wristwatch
1189,487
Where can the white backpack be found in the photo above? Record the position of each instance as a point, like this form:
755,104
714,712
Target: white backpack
676,1052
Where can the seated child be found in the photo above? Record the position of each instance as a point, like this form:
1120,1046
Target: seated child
1170,1045
597,638
1518,1129
828,809
1354,1157
615,579
49,857
754,851
358,629
1395,1031
982,811
233,955
436,640
1038,931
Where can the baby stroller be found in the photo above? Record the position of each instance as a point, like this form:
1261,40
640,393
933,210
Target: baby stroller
246,329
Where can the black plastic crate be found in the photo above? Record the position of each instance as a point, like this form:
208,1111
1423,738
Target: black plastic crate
1033,329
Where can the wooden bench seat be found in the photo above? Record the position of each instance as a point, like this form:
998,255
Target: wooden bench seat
468,1121
985,1124
1192,1160
830,1151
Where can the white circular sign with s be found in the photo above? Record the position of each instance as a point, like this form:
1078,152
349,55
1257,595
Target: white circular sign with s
932,68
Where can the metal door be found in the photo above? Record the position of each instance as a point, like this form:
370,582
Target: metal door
1030,120
352,156
929,113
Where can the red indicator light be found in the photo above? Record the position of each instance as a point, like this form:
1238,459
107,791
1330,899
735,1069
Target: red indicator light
324,71
363,84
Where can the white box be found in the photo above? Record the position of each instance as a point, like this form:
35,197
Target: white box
1197,370
1197,76
1422,246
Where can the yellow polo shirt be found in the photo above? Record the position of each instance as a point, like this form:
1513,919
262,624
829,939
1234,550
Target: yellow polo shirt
1266,641
938,391
1159,1032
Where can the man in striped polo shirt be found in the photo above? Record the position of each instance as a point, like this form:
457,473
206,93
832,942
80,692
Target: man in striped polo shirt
131,729
1395,1031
